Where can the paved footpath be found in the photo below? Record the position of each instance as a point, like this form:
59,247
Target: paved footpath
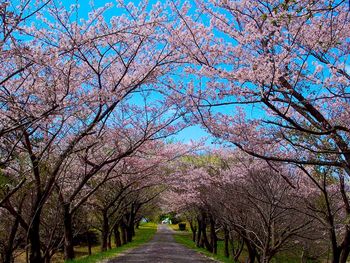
162,249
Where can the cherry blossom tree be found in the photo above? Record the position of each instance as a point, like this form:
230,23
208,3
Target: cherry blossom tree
81,74
248,201
15,59
272,78
99,163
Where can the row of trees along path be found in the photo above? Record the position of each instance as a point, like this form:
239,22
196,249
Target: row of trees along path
90,104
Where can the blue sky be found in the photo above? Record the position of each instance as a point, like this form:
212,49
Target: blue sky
191,133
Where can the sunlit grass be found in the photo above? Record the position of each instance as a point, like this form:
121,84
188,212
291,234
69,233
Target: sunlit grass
176,226
143,234
185,238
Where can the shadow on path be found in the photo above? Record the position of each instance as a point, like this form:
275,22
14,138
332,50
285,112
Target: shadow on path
162,248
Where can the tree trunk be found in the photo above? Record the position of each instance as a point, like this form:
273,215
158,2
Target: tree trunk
303,257
251,252
336,255
266,255
129,232
233,250
204,240
237,252
344,254
194,230
199,233
265,259
109,243
336,250
123,232
105,231
34,238
133,229
213,237
47,257
68,234
8,253
7,258
117,240
88,242
226,243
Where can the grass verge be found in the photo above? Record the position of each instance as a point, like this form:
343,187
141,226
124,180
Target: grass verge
143,234
184,238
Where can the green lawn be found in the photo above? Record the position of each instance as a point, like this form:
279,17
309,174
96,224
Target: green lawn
185,238
143,234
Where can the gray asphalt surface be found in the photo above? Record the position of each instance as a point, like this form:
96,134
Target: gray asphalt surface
162,248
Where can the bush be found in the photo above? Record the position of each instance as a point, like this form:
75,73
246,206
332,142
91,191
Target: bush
182,226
